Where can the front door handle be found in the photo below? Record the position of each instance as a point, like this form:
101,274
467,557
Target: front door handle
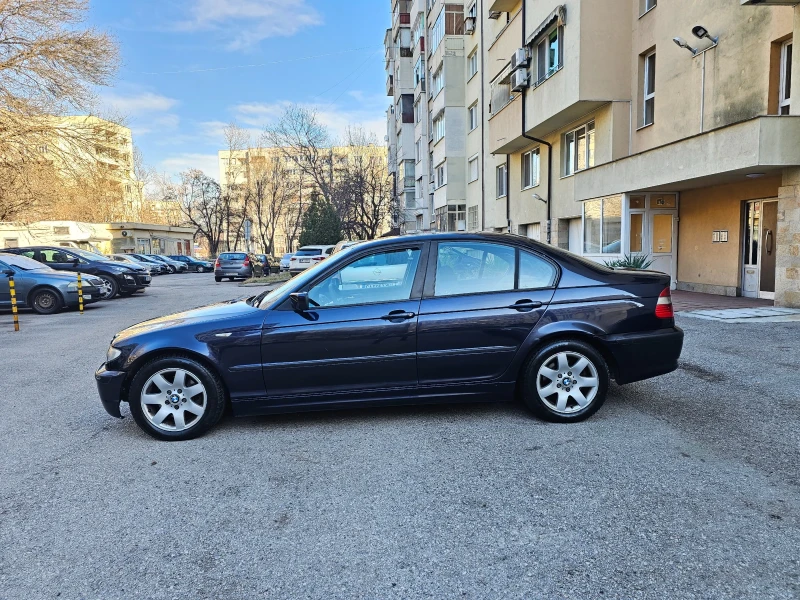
525,305
398,315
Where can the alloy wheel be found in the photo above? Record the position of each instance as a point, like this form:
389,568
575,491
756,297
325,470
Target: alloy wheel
174,399
567,382
106,289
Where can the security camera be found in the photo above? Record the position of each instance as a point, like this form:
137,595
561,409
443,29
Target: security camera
681,43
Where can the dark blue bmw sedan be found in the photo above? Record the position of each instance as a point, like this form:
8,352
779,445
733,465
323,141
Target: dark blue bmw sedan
432,318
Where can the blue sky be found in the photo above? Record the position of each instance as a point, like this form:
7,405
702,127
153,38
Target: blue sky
184,74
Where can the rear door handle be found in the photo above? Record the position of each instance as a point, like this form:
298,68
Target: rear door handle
397,315
525,305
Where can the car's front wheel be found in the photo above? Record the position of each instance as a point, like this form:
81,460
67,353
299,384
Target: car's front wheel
46,302
176,398
109,289
565,381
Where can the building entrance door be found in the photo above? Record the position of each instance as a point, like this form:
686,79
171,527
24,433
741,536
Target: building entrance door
758,262
663,242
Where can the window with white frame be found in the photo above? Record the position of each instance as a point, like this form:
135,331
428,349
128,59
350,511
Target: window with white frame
785,96
437,81
500,92
472,11
441,175
530,168
438,127
649,89
473,116
646,6
419,72
549,54
472,64
474,171
579,149
502,188
437,33
418,150
602,226
417,111
472,216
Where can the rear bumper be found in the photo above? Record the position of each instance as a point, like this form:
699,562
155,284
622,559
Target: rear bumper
242,273
109,386
639,356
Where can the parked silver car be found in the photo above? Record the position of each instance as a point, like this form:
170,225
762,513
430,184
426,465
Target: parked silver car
41,288
237,265
285,259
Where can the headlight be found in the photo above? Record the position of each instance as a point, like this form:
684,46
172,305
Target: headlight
113,354
128,278
72,286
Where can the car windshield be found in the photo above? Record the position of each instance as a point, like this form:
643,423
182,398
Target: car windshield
308,252
90,255
24,263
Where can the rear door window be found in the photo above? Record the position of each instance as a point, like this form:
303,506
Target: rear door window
474,268
535,272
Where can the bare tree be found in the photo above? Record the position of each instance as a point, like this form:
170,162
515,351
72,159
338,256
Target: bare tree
270,193
49,65
201,201
234,196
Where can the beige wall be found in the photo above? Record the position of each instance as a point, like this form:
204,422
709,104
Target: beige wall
706,265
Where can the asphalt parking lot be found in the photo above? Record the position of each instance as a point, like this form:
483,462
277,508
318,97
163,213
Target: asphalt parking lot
687,486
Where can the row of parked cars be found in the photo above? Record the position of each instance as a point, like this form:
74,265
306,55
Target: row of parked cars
46,280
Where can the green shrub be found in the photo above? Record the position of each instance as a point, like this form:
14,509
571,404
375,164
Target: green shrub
631,261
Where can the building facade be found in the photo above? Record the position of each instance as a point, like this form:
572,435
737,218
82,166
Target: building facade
626,127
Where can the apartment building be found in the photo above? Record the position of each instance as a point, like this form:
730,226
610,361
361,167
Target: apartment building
619,127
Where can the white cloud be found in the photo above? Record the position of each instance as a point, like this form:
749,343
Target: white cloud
173,165
367,111
141,103
245,23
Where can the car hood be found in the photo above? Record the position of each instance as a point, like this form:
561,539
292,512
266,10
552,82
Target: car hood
205,314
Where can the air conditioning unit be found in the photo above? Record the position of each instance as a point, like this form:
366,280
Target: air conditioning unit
520,59
469,25
519,80
126,233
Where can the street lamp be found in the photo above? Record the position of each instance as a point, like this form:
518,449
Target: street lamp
681,43
701,32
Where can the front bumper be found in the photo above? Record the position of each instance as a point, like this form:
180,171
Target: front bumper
109,386
137,282
639,356
71,298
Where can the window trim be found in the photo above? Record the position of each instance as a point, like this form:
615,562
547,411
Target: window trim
782,100
476,159
544,40
643,10
535,180
473,56
474,105
645,95
564,150
504,167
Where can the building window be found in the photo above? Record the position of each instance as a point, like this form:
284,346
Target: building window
472,11
549,54
473,116
502,189
418,150
579,149
419,72
472,215
441,176
500,92
472,64
646,6
437,81
473,169
437,33
419,223
786,79
11,242
417,112
649,89
438,127
411,201
530,169
602,226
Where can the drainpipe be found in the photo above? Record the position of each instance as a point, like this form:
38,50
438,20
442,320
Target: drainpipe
533,139
483,126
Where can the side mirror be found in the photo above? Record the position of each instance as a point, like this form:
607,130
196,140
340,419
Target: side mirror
75,262
299,301
8,272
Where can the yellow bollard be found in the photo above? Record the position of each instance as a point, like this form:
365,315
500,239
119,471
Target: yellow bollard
13,291
80,293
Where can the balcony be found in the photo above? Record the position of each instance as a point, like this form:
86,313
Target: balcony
505,129
595,69
390,85
502,5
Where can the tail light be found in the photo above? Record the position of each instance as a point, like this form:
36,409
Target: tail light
317,258
216,264
246,262
664,305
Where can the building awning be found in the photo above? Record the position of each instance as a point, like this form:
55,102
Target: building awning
760,145
559,15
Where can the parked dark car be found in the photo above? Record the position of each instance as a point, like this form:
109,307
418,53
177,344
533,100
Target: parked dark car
268,264
431,318
118,278
155,265
174,266
237,265
41,288
194,264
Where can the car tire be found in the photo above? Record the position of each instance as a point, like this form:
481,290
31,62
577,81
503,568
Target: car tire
554,390
231,278
46,301
110,287
176,420
217,279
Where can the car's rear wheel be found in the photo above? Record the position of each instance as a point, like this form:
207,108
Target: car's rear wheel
46,302
109,289
565,381
176,398
217,279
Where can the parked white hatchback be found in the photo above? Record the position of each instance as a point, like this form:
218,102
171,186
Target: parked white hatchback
308,256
